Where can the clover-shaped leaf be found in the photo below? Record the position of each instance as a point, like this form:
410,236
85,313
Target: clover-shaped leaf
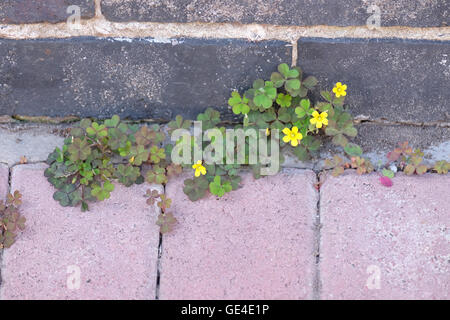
146,136
157,154
14,199
415,166
164,202
219,189
127,174
239,105
361,165
196,188
339,127
139,154
102,192
167,222
97,131
156,175
113,122
174,170
304,109
210,118
179,123
353,150
153,196
264,95
284,100
68,195
442,167
79,149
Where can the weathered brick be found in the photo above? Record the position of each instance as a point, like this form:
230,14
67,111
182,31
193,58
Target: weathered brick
389,79
416,13
34,142
139,78
254,243
115,245
4,176
33,11
399,235
377,140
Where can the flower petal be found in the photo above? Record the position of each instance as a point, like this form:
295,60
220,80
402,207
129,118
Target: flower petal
286,139
344,87
319,125
312,120
315,114
294,143
286,131
325,122
197,173
294,130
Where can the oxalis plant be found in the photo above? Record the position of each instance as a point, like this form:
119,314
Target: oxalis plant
11,220
95,154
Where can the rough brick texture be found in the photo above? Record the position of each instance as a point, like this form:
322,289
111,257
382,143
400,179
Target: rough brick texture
254,243
390,79
34,142
33,11
115,245
416,13
140,78
399,235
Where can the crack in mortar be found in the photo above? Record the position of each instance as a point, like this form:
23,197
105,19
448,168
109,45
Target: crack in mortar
158,263
317,233
100,27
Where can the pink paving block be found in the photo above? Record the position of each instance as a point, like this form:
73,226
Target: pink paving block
4,176
385,243
254,243
112,249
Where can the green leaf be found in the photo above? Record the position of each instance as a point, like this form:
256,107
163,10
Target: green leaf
113,122
388,173
353,150
196,188
166,221
310,82
284,100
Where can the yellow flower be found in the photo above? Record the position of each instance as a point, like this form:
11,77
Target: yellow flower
267,132
319,119
292,135
199,168
339,90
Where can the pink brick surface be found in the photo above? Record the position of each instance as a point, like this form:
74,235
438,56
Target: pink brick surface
4,175
254,243
399,235
114,245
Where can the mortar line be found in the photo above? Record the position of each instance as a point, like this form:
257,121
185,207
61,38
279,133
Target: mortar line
100,27
158,262
317,283
98,8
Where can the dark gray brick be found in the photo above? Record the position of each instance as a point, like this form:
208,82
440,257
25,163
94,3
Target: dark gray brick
140,78
416,13
395,80
33,11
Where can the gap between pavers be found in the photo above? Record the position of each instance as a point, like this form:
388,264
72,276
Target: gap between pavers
113,248
4,180
254,243
385,243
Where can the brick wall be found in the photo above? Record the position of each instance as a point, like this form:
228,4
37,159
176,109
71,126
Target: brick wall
154,59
